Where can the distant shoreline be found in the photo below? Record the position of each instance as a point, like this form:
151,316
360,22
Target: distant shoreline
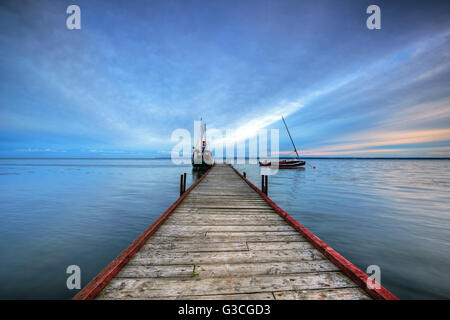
167,158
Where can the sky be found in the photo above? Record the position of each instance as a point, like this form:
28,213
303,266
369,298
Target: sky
138,70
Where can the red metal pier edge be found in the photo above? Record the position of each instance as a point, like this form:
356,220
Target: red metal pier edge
97,284
354,273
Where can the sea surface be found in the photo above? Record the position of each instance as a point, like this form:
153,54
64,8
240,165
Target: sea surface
59,212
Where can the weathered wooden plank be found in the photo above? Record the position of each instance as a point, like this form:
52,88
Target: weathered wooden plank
279,245
243,296
229,205
195,246
228,200
220,207
167,257
262,268
174,238
237,195
208,194
164,287
196,221
223,198
211,239
173,271
163,232
202,196
232,211
226,210
225,217
323,294
215,228
233,208
250,234
221,220
209,186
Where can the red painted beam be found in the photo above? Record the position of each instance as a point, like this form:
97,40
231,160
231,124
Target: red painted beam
353,272
97,284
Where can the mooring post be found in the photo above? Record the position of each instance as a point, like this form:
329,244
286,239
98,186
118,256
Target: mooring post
245,175
266,184
263,184
181,185
184,182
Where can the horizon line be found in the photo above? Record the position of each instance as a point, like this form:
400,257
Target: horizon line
168,158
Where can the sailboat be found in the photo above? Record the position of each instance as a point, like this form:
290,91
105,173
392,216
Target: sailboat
201,157
286,164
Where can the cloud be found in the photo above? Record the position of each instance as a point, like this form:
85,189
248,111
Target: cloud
381,152
380,142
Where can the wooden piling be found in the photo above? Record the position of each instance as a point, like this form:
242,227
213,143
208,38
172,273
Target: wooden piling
181,185
266,185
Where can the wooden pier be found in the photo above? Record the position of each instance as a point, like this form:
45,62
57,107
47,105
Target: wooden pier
225,239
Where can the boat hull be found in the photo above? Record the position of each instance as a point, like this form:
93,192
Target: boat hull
202,160
202,165
285,164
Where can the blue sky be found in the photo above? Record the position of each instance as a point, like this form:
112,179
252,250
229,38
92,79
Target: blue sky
137,70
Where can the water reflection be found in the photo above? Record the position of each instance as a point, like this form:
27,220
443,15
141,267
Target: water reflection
197,173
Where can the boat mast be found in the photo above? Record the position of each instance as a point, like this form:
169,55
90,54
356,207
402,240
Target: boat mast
290,137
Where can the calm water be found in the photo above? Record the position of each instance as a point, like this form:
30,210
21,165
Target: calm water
55,213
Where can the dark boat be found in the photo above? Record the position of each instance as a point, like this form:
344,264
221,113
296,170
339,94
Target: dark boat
202,157
286,164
